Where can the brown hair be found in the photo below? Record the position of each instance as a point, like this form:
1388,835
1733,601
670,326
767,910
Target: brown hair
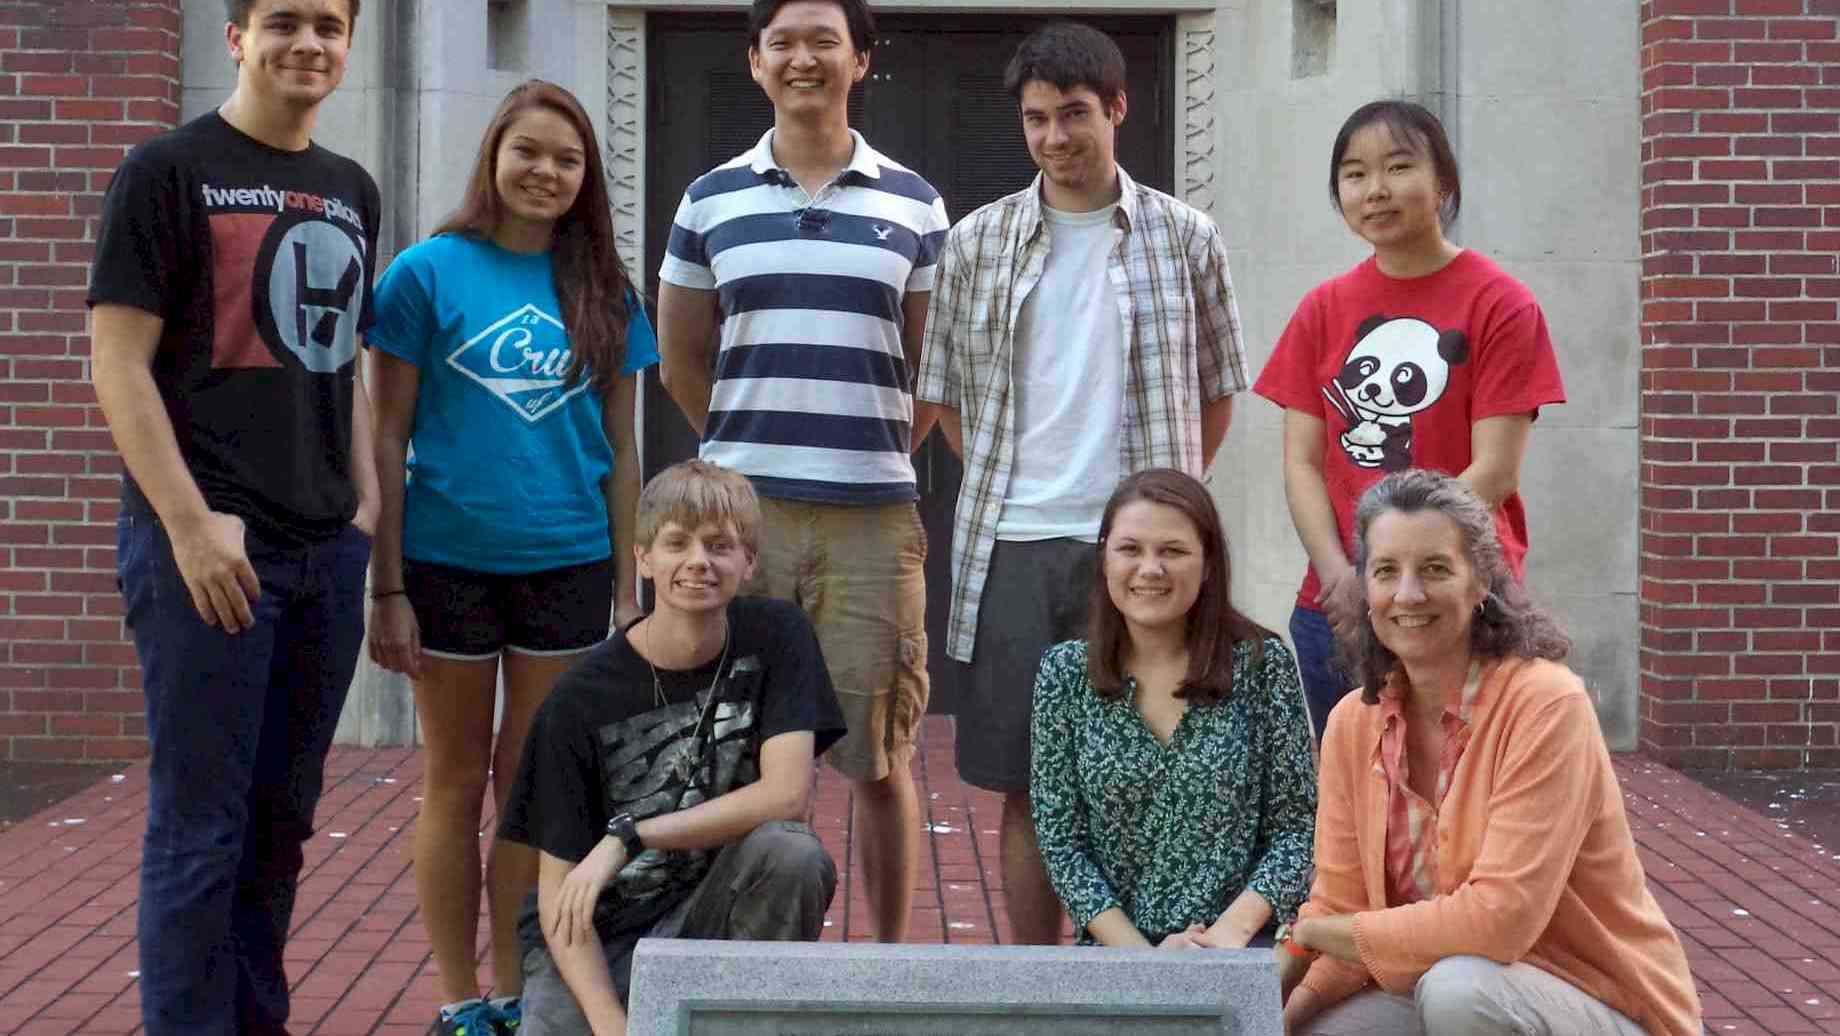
1067,56
591,282
1507,622
237,11
1215,627
692,492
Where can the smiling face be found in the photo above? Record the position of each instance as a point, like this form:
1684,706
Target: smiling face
695,571
805,61
292,52
1154,564
539,167
1389,192
1072,138
1422,591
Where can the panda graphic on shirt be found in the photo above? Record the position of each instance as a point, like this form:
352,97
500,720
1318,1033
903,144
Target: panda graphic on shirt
1399,367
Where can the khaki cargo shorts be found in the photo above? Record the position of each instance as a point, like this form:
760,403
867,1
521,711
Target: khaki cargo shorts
859,574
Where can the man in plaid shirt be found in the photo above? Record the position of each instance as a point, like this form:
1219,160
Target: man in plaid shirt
1079,330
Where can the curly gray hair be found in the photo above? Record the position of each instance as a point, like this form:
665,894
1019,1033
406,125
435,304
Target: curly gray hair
1508,623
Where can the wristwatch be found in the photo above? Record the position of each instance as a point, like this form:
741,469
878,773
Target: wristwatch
1287,938
626,829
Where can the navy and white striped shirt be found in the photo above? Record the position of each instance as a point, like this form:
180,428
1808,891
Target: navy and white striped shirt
813,400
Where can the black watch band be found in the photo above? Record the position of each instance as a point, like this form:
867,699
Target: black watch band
626,829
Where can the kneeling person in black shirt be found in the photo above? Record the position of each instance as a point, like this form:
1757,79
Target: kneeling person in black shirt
667,776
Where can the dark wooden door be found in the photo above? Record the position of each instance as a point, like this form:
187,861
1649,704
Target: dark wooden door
933,101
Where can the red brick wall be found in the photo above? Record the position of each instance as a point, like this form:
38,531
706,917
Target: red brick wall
1740,493
80,82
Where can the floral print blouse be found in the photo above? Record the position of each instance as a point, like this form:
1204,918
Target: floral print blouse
1172,833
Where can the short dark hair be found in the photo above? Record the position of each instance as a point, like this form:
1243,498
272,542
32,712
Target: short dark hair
1412,125
1068,55
855,14
237,11
1215,627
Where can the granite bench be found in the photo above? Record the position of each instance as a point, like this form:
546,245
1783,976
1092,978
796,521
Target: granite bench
684,987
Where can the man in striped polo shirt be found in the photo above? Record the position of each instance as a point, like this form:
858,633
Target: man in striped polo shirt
812,255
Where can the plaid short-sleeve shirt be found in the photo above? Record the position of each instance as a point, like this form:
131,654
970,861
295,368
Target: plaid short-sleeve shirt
1411,821
1168,272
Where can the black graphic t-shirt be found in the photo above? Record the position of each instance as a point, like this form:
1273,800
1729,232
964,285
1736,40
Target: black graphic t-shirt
260,262
600,745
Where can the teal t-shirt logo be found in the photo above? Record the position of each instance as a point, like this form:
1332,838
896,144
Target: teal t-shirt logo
522,358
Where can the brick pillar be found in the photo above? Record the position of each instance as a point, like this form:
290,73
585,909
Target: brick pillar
80,82
1740,482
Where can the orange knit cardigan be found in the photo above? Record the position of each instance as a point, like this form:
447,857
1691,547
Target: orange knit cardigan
1535,861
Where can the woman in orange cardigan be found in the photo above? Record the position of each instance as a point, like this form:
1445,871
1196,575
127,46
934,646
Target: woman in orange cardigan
1475,873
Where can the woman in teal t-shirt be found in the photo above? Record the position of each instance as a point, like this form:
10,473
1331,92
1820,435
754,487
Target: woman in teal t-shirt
505,349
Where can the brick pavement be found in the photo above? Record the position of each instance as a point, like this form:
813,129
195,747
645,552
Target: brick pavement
1755,903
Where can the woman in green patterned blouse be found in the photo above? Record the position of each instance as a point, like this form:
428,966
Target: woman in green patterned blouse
1172,783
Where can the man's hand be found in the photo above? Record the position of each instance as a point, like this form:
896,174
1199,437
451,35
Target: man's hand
394,636
207,545
366,518
572,918
215,566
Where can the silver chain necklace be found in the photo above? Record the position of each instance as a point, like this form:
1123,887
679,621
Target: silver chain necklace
658,697
684,764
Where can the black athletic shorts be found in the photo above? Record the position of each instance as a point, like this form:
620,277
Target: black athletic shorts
470,615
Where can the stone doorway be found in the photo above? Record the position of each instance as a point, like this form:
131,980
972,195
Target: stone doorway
933,101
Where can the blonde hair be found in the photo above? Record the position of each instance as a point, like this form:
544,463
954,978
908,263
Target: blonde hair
692,492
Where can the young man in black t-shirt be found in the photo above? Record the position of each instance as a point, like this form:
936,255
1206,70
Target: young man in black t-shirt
666,778
230,289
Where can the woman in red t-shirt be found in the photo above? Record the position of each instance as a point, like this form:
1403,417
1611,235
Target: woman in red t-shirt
1426,355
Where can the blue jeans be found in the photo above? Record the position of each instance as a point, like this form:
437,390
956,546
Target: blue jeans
240,725
1324,683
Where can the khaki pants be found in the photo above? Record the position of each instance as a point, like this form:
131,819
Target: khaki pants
1474,996
859,573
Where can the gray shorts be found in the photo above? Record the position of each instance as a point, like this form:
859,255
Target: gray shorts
1035,597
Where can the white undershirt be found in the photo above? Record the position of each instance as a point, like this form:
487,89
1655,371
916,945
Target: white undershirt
1067,373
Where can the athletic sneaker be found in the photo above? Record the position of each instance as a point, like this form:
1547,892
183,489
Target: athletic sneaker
473,1018
510,1015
